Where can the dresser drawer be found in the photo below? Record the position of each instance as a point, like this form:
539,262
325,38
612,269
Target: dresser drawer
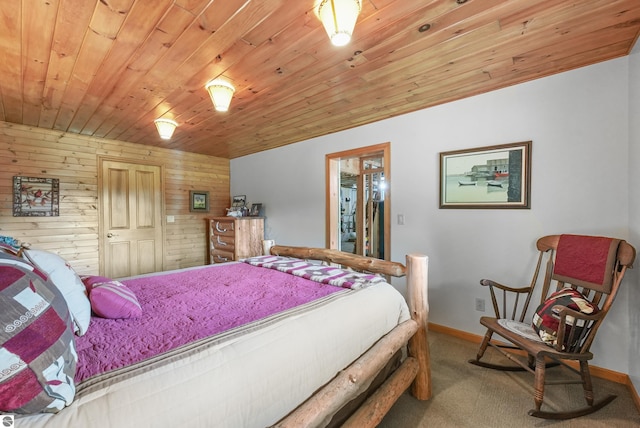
223,242
223,227
219,256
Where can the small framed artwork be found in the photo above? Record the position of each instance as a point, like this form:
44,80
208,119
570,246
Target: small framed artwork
486,177
199,201
36,197
255,210
239,201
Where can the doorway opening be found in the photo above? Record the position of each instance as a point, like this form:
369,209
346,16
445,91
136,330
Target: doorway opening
358,201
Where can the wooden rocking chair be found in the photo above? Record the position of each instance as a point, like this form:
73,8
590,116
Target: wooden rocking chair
592,266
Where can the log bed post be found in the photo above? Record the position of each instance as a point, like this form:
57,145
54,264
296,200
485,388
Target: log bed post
417,299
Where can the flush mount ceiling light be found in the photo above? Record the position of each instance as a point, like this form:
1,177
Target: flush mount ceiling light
165,127
221,93
339,18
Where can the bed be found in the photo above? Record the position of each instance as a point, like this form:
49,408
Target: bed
338,358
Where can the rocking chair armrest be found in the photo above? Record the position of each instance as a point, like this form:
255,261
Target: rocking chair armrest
491,283
563,312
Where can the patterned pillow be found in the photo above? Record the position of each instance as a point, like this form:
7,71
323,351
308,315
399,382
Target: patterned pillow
111,299
9,245
68,282
37,349
546,320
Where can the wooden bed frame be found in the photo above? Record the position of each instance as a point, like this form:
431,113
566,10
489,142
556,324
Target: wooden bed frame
415,370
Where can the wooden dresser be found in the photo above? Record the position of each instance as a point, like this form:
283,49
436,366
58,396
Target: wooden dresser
234,238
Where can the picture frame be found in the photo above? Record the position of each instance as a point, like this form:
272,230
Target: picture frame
239,201
199,201
36,197
496,176
255,210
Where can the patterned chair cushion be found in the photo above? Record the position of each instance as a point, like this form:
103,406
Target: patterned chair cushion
37,349
546,320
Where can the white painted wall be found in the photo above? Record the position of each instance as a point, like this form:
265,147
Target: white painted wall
579,124
634,214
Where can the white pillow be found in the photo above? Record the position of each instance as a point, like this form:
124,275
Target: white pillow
69,284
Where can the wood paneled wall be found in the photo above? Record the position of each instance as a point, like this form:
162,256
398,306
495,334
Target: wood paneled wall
73,159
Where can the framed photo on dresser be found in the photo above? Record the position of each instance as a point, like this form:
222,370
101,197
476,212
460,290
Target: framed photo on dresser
255,210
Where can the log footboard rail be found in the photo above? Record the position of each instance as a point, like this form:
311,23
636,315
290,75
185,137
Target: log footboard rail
415,370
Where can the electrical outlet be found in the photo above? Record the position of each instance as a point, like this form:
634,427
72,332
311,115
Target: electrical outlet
479,304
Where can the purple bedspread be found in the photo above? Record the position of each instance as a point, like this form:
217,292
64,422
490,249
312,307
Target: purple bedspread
182,307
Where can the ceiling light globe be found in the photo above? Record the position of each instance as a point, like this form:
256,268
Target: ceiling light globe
340,39
221,93
339,19
165,127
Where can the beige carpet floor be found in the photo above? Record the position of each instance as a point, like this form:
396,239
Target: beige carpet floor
465,395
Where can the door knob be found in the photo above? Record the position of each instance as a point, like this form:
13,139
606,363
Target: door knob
111,235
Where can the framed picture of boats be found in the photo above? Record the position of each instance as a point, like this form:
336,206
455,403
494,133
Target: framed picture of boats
486,177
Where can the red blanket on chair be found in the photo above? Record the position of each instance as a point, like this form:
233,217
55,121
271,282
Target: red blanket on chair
586,260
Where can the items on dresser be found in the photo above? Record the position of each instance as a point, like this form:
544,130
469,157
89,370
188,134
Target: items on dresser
234,238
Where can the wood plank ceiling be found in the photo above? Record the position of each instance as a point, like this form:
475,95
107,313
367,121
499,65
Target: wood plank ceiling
108,68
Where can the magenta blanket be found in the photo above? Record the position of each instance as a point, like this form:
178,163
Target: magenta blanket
182,307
